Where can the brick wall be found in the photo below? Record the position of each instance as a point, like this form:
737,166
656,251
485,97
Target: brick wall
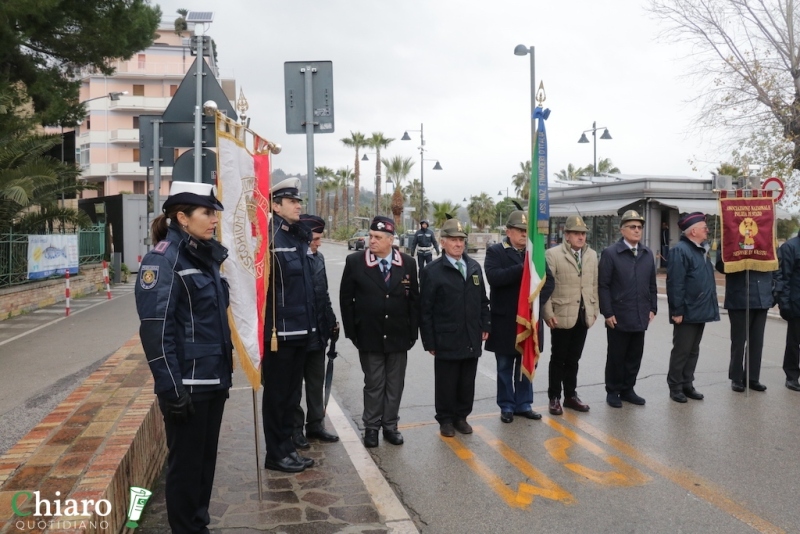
32,296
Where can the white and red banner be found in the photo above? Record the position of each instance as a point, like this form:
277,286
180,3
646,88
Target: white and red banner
243,188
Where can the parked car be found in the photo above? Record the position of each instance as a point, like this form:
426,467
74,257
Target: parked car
396,242
358,241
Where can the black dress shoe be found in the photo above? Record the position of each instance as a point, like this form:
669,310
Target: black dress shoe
462,426
612,399
755,385
300,441
530,414
632,397
678,396
370,438
322,435
738,387
447,430
794,385
307,462
507,417
393,436
287,465
693,394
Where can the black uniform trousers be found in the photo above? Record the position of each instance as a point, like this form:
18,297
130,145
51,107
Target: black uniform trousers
454,384
685,352
424,258
565,350
191,462
314,377
623,359
739,326
791,355
282,377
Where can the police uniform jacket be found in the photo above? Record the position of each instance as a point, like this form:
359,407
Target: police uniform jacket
377,317
573,286
761,288
455,311
425,238
691,287
326,319
290,298
182,303
504,267
788,279
627,286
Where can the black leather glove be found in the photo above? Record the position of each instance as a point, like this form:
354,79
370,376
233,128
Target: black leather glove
178,410
335,333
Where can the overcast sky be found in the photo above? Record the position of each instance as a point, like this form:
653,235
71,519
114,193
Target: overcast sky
450,65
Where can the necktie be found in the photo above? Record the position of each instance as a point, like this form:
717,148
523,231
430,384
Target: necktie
461,269
387,274
578,261
635,251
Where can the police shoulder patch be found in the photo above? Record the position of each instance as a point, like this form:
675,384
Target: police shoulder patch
161,247
148,276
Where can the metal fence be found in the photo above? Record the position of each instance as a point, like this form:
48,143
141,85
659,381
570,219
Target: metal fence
14,253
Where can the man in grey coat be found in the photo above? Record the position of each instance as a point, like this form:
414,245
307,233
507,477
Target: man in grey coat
692,298
629,302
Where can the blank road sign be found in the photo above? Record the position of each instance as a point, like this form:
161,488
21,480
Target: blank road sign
322,96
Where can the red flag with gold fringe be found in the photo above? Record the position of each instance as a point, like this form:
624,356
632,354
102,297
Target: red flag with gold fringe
748,232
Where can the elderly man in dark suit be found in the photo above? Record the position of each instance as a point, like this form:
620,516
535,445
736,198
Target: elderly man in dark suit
504,266
626,286
379,300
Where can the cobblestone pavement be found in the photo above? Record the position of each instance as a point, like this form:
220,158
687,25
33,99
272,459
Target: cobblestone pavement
330,497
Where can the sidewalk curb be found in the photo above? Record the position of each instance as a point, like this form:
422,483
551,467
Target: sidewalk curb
389,506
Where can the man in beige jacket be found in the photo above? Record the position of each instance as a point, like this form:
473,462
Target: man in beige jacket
570,312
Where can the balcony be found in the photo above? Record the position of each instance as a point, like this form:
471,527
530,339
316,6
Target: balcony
124,135
140,103
127,168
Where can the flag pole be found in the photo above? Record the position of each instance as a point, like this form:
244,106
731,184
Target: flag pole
255,434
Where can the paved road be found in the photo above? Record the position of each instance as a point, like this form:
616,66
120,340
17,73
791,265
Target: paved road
726,464
45,355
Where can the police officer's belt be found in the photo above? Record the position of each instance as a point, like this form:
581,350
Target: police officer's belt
424,249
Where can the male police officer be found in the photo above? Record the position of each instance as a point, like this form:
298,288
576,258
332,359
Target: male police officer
290,325
327,329
424,243
455,321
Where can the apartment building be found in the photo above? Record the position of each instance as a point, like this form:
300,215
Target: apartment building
107,142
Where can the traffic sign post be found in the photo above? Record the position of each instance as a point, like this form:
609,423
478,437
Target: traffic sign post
774,184
309,109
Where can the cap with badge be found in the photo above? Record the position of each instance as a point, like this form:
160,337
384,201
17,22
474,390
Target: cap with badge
631,215
575,224
314,223
517,219
382,224
289,188
452,228
192,194
690,219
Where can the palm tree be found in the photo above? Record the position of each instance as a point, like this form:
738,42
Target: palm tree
604,166
397,170
31,184
356,140
345,176
481,210
522,180
413,192
322,174
377,142
729,169
441,208
571,173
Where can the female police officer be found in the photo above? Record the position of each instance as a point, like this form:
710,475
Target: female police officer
182,302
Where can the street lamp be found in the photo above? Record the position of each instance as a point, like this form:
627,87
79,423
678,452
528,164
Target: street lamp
522,50
377,182
436,167
583,139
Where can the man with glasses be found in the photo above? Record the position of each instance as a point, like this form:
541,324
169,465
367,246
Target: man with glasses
692,298
628,301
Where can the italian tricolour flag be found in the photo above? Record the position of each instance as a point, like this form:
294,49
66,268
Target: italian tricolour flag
533,275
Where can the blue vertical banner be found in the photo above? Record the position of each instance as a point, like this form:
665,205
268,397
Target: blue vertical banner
539,169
